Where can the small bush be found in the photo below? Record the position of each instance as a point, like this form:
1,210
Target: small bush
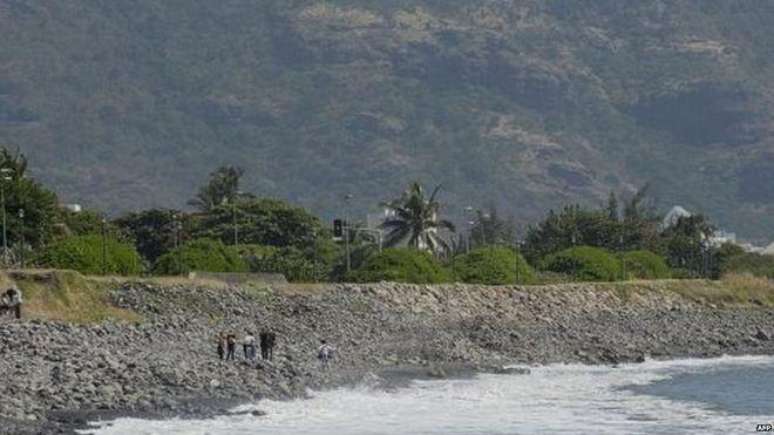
493,266
400,265
585,263
645,265
202,255
85,254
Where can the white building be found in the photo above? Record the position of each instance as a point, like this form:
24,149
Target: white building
718,239
375,220
73,208
674,215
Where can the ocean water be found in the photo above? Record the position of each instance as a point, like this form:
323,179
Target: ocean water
719,396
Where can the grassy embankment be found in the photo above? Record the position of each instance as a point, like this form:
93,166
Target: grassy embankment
64,296
68,296
71,297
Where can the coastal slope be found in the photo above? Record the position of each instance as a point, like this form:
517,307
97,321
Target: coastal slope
160,361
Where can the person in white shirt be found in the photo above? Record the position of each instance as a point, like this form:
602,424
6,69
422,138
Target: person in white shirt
325,353
248,346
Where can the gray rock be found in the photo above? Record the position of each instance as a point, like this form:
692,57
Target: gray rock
512,371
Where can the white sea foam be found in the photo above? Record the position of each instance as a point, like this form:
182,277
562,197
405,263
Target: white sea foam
558,398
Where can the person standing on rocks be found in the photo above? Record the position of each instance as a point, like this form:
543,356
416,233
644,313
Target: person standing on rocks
230,347
267,345
325,354
13,301
221,346
248,346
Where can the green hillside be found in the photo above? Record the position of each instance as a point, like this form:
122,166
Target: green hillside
528,104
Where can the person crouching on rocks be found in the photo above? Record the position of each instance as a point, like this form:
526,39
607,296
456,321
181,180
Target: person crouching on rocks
325,354
267,345
221,346
12,301
230,347
248,346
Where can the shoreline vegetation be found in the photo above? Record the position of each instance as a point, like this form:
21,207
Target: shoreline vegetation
97,348
228,230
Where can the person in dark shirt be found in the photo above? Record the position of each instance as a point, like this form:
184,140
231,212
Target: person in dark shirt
231,340
12,301
267,345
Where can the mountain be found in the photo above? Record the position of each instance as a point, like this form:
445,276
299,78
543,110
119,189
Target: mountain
528,104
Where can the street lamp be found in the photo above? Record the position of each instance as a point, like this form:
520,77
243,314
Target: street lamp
176,227
5,175
175,233
21,236
623,257
483,220
472,225
104,246
469,210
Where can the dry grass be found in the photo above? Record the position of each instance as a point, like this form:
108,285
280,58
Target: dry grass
66,296
731,290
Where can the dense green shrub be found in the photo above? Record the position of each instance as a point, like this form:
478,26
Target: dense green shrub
492,266
85,254
645,265
400,265
750,263
202,255
585,263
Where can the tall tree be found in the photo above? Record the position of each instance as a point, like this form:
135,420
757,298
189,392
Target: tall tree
222,188
612,207
88,223
416,221
640,226
30,208
688,245
154,232
263,221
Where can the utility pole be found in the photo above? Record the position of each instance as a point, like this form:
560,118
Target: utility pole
518,255
6,174
176,226
236,224
234,215
5,224
347,199
469,209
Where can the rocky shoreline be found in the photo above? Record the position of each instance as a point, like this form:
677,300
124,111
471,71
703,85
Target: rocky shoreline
57,377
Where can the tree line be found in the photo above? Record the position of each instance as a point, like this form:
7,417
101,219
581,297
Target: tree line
229,230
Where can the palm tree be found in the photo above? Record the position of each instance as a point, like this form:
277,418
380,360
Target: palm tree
222,188
416,221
